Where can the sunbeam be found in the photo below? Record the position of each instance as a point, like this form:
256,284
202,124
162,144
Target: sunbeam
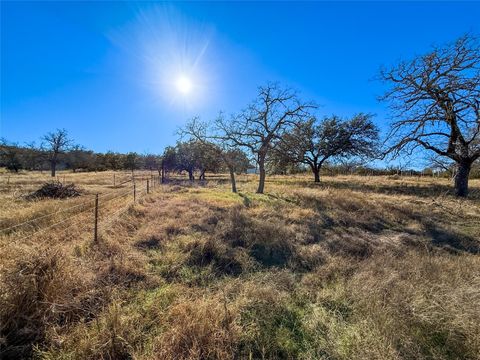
175,55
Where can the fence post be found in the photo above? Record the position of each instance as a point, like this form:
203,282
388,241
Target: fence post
148,187
95,233
113,179
163,173
134,193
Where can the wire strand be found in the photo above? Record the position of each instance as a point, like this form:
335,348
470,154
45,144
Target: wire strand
63,210
48,227
105,222
44,216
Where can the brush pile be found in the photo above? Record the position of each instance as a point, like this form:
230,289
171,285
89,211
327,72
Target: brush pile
55,190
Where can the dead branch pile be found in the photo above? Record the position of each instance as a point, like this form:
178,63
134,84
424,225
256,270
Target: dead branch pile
55,190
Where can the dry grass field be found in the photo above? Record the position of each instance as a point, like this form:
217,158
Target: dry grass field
352,268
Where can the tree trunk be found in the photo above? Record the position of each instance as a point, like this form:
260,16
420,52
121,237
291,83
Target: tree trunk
461,178
190,175
53,167
316,172
232,180
261,168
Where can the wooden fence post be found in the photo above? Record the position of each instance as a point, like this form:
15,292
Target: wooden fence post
134,193
148,187
163,172
113,179
95,233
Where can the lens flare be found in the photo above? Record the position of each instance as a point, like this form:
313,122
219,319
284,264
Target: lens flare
184,85
172,56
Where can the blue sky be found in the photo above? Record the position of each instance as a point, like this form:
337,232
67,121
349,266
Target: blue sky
107,71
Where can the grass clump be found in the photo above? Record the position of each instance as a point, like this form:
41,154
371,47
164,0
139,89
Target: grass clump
41,294
197,329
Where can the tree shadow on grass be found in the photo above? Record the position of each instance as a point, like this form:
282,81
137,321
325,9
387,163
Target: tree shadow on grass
350,218
450,240
392,188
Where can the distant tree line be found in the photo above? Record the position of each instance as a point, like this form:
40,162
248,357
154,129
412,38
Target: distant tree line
57,151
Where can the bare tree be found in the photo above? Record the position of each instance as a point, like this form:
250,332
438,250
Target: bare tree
54,144
259,127
219,144
435,102
441,164
313,143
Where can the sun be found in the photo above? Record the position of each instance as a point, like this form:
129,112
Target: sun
184,84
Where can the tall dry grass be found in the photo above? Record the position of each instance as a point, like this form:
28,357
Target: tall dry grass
356,268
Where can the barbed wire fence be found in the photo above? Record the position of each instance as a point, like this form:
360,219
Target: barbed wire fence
72,215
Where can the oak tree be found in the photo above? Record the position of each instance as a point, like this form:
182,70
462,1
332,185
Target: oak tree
264,122
435,103
54,144
314,142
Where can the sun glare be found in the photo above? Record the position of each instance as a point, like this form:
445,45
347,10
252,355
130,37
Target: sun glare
176,56
184,85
